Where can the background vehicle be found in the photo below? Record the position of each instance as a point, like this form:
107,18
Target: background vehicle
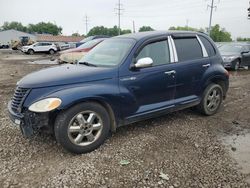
124,79
23,41
4,46
91,38
235,55
40,47
74,55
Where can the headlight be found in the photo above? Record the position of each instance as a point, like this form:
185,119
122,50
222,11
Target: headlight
45,105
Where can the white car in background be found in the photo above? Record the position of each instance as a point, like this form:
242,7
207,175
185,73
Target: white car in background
47,47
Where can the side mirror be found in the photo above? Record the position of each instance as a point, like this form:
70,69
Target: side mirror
144,62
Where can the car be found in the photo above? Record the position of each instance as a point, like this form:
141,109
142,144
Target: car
47,47
74,55
123,80
91,38
4,46
235,55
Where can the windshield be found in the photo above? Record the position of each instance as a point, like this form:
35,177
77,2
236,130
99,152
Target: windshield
90,44
109,53
230,48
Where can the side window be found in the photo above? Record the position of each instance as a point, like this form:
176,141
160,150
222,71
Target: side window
188,49
209,47
157,51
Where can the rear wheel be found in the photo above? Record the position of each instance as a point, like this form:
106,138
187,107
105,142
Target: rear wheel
31,52
51,51
82,128
211,100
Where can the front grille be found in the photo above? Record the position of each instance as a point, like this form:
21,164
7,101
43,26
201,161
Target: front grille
18,99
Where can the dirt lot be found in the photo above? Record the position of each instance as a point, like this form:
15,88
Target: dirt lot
182,149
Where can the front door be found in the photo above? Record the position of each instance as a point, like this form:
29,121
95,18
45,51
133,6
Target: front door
149,89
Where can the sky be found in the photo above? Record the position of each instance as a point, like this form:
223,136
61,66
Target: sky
159,14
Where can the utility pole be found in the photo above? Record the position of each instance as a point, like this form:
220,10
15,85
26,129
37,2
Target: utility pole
86,23
133,26
119,9
248,11
212,7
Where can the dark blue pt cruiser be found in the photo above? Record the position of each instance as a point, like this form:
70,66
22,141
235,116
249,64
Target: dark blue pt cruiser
124,79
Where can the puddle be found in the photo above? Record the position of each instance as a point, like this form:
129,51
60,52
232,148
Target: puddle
44,62
239,149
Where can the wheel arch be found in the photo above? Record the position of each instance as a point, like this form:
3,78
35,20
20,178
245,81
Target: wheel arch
101,102
220,81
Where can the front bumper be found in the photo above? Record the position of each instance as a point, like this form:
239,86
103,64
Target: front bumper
227,64
30,123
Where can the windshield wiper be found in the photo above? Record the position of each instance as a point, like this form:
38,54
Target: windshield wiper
88,64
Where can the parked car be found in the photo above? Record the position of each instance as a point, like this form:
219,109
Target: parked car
235,55
123,80
91,38
4,46
74,55
47,47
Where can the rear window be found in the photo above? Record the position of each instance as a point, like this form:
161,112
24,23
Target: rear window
188,49
209,47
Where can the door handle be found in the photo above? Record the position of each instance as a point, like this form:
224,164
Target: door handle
170,72
206,65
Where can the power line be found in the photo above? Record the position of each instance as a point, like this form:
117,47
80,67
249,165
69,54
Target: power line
86,23
212,7
119,9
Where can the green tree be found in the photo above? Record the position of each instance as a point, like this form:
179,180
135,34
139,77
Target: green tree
240,39
219,34
42,27
13,25
146,28
186,28
101,30
75,35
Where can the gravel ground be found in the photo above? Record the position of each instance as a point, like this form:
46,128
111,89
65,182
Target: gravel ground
182,149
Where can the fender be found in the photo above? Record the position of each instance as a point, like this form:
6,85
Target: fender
214,74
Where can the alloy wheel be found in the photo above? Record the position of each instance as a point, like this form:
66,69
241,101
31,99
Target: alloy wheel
213,99
85,128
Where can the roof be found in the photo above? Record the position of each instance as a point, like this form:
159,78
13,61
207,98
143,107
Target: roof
57,38
16,31
141,35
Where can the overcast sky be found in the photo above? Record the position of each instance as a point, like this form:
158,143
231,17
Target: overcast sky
159,14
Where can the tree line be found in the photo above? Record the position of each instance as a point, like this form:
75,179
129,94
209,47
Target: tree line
218,34
40,28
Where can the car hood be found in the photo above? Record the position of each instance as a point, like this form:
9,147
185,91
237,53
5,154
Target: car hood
65,74
229,54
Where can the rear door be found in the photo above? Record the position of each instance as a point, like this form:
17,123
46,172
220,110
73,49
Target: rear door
192,63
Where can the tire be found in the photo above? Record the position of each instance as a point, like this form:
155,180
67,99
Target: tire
31,52
211,100
236,65
51,51
82,128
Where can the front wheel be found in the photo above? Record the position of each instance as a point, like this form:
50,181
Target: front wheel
211,100
30,51
82,128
